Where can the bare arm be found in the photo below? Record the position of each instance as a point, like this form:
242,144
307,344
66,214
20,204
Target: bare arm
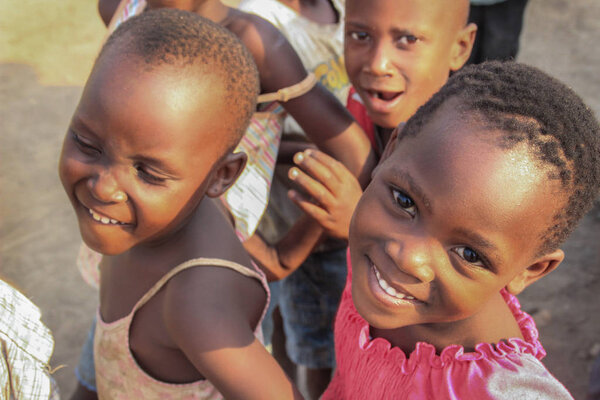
210,314
325,120
333,193
106,9
279,260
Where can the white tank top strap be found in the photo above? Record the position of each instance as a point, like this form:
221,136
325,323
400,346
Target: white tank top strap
195,262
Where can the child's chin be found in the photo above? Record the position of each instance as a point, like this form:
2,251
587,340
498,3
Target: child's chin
386,121
106,249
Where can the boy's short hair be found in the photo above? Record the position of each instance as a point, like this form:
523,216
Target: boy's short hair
184,39
527,105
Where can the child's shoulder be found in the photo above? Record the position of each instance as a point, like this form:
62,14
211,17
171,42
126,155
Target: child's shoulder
255,32
212,294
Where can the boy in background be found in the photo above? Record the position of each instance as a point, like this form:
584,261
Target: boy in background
397,54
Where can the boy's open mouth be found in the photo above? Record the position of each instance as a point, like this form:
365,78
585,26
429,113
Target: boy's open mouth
383,95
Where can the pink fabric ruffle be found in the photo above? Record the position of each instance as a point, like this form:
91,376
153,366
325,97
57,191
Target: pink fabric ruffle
373,369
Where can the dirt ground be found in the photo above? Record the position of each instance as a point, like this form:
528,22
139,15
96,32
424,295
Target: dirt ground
46,51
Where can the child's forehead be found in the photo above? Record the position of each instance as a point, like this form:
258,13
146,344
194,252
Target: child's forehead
163,99
463,146
420,11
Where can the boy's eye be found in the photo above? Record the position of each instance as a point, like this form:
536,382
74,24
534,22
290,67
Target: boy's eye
148,176
469,255
358,36
406,40
84,146
404,201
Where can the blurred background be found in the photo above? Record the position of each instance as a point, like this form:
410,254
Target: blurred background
46,52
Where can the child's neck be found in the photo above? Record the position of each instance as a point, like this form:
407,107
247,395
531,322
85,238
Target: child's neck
382,136
492,324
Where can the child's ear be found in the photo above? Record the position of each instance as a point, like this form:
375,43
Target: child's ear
535,271
230,167
461,50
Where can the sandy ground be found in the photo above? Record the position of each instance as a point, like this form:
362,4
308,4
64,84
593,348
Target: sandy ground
46,51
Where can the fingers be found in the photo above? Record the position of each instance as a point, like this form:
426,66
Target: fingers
311,209
320,166
311,186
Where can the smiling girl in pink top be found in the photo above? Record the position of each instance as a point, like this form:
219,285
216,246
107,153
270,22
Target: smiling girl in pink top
468,207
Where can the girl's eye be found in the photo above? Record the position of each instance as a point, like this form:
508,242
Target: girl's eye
148,176
469,255
85,147
405,202
359,36
407,40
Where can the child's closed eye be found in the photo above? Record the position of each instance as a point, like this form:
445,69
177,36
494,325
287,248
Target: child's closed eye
148,176
405,202
84,146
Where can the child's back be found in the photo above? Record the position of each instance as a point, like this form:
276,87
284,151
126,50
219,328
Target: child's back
150,144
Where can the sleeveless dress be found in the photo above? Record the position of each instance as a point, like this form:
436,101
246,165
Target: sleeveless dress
118,376
370,368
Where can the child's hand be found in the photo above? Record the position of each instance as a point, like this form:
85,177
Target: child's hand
333,189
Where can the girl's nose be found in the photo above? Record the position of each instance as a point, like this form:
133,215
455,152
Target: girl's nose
105,188
380,63
414,257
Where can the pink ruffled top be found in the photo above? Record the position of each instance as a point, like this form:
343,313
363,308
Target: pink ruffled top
373,369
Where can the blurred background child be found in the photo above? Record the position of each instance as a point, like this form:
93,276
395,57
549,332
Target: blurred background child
398,54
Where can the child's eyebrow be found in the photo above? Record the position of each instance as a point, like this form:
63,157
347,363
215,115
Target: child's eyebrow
476,239
358,25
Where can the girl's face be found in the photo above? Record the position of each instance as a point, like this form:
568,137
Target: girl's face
449,219
139,153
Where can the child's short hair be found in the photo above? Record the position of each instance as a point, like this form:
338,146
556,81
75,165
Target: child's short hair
527,105
180,38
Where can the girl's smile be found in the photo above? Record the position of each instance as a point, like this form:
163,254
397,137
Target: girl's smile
378,283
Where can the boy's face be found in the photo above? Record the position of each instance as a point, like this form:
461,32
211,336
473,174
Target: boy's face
139,152
399,53
448,220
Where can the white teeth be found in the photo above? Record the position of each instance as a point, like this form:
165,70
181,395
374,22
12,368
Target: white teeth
103,219
390,290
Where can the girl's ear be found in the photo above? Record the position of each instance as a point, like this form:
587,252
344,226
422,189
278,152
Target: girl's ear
461,49
535,271
230,167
